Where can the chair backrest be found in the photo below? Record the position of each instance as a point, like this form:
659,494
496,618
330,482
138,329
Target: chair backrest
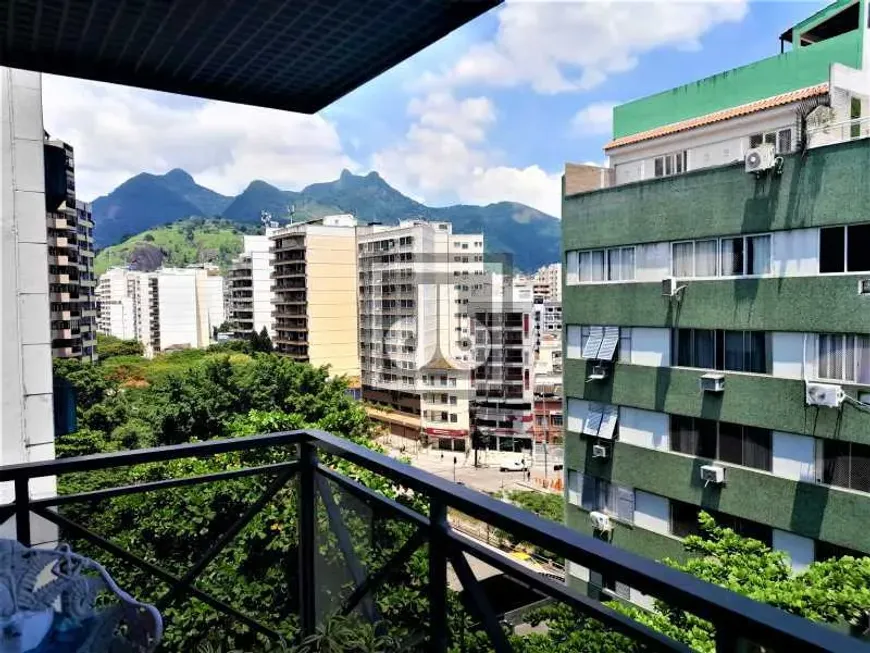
48,605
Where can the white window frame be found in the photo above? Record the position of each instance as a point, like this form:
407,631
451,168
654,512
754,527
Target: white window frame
577,272
777,139
847,228
849,348
671,158
720,269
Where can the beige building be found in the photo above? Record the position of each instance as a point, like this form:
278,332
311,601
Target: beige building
314,293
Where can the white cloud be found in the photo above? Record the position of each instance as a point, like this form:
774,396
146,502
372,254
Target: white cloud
574,46
444,154
118,132
594,119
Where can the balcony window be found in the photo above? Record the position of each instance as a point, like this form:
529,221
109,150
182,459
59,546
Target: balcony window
732,443
844,249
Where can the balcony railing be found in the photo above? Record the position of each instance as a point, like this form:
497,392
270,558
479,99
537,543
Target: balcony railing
307,460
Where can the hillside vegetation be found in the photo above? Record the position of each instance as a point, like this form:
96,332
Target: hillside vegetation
193,240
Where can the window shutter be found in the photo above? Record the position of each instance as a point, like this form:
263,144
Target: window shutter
625,504
608,344
593,343
609,416
593,419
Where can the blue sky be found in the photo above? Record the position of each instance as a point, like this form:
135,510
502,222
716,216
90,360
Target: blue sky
492,112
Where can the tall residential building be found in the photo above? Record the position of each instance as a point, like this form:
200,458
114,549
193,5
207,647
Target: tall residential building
547,320
69,229
547,283
26,347
248,287
504,359
414,330
547,409
314,293
172,308
717,307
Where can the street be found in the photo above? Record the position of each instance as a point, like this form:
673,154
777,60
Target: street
486,478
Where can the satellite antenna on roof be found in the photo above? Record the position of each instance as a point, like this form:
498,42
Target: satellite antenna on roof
266,219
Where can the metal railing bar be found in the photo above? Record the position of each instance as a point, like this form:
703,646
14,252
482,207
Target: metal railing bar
183,585
479,603
374,580
756,621
153,454
154,570
372,497
336,524
153,486
587,605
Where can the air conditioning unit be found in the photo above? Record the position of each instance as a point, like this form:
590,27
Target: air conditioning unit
600,451
712,382
825,394
600,521
599,372
669,287
761,158
713,474
864,286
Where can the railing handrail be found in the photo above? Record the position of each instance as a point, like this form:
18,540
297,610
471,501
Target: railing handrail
725,609
839,123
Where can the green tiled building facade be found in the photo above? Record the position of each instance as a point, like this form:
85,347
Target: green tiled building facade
760,280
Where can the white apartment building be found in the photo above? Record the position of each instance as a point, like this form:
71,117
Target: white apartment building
168,309
25,356
249,288
415,281
547,321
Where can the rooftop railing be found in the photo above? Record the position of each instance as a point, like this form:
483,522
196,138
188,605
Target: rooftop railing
309,462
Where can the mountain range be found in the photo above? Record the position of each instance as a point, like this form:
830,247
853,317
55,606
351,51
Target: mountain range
147,201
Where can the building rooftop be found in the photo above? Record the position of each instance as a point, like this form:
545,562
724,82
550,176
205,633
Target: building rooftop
806,65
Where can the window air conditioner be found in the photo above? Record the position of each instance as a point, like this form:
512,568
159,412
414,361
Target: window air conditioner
825,394
761,158
864,286
669,287
600,451
600,521
712,474
599,372
712,382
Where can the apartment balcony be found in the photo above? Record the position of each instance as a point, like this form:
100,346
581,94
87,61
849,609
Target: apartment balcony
66,352
300,467
59,297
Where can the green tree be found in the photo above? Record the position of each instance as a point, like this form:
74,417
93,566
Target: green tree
260,341
110,346
831,591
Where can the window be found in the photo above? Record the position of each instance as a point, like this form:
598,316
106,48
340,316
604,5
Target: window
452,400
845,249
846,464
684,521
733,443
844,357
670,164
616,264
745,255
601,495
454,418
625,345
781,140
556,419
734,351
452,382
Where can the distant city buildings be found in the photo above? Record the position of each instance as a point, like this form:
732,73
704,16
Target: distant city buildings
716,309
171,308
547,283
249,288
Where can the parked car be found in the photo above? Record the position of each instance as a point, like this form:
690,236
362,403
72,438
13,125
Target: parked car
513,466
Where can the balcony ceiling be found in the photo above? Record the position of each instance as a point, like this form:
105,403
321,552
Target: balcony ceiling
296,55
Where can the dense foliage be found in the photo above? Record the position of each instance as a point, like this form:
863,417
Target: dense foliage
231,390
110,346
